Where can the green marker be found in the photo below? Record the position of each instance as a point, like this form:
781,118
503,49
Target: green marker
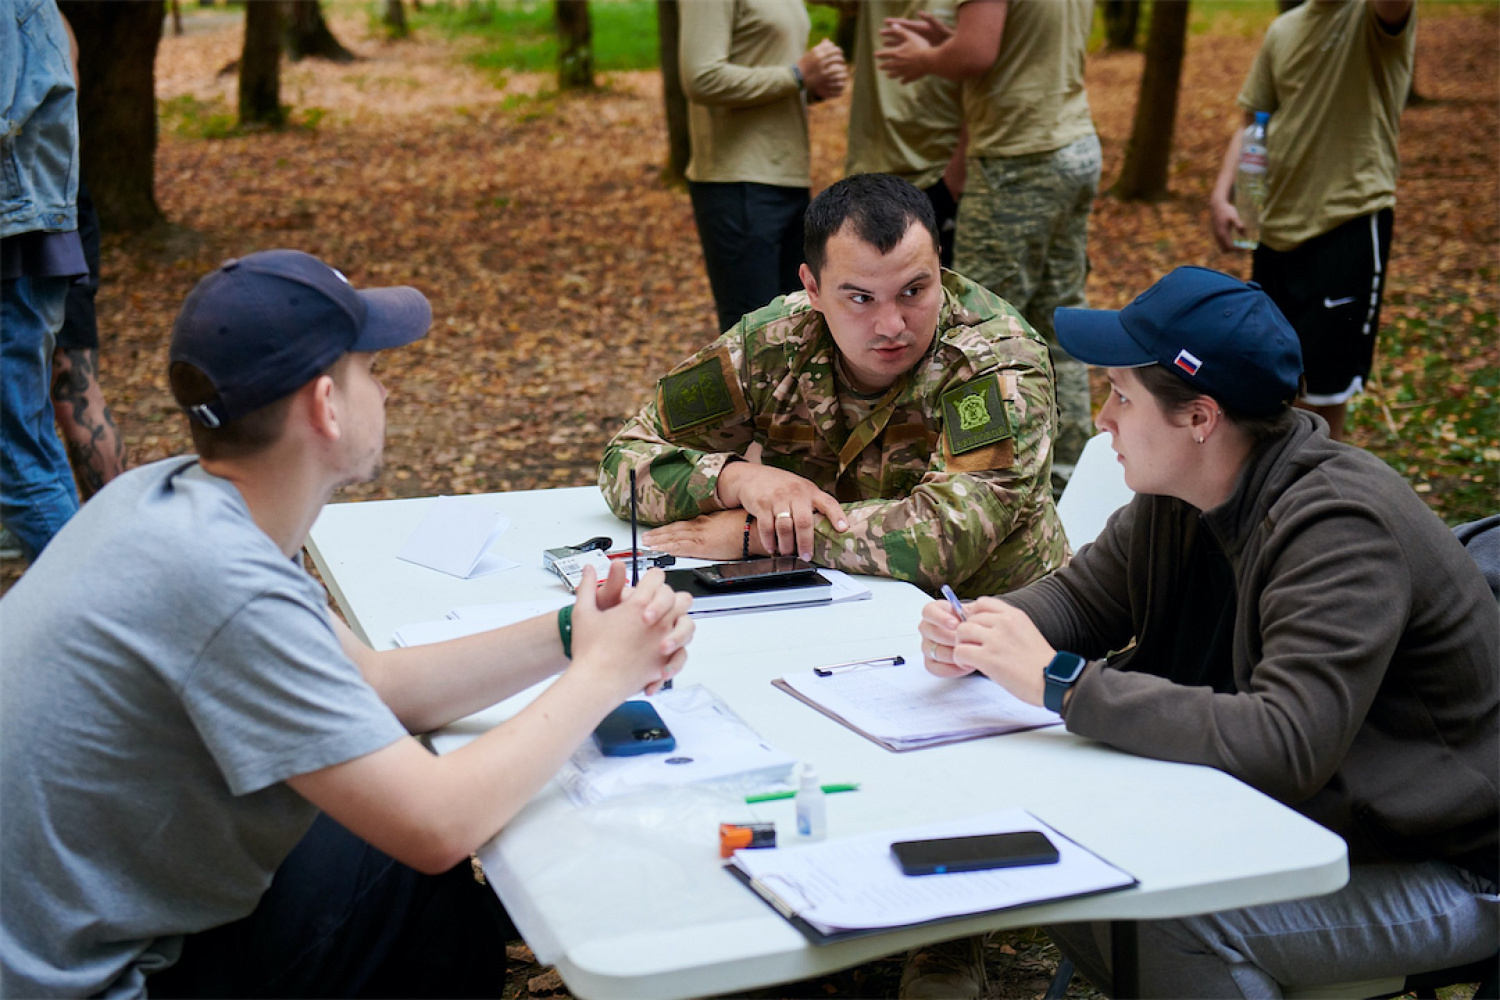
775,796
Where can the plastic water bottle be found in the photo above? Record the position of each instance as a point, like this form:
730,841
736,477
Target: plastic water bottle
812,806
1250,181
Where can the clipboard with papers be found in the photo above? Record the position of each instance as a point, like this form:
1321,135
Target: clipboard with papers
902,707
852,887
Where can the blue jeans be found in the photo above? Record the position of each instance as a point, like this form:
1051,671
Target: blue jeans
1390,920
37,495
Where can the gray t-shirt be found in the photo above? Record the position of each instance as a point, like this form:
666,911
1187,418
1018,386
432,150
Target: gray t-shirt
165,668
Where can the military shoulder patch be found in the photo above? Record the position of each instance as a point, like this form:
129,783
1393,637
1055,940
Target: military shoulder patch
974,414
706,393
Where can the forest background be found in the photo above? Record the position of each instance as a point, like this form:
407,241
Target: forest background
565,275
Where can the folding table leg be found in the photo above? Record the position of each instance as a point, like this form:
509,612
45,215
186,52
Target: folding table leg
1124,959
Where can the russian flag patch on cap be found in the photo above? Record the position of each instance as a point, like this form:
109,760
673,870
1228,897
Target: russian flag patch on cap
1188,363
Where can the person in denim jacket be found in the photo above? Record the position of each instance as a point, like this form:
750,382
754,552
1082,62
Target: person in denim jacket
40,255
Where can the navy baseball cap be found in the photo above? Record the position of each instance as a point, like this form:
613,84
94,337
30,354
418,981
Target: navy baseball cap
1222,336
263,326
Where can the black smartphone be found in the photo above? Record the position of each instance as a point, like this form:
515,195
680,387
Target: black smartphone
755,572
972,854
633,728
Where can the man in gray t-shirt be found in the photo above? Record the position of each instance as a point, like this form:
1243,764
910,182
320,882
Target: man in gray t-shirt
177,703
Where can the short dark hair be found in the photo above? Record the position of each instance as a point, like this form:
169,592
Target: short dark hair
881,208
1175,394
244,436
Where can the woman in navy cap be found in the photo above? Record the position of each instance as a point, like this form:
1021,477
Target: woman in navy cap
1290,612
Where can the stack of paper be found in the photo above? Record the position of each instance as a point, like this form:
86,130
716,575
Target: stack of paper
854,884
906,708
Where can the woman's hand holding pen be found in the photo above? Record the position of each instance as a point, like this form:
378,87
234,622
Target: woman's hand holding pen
998,640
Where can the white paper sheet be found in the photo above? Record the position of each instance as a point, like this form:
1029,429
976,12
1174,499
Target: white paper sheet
454,538
854,883
473,618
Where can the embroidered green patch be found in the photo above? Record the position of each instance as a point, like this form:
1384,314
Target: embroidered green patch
974,415
695,396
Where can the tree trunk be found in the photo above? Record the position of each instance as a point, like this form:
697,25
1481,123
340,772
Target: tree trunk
260,65
117,107
1149,152
846,33
1122,20
674,101
575,45
307,34
394,19
177,18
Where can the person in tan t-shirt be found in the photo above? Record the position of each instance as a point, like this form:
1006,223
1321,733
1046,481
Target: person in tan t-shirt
911,131
1334,78
746,76
1033,165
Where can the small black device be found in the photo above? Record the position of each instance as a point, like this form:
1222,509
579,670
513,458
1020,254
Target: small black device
755,572
633,728
972,854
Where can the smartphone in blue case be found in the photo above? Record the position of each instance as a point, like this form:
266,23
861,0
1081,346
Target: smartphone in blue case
633,728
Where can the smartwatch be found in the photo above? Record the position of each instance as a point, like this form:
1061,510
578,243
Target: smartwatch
1061,674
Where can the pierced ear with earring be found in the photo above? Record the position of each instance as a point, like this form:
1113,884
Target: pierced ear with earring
1203,437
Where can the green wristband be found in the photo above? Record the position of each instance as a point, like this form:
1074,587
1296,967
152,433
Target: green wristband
565,629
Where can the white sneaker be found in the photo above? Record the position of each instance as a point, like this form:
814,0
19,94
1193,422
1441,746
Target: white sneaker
10,546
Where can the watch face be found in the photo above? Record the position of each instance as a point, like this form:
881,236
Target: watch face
1065,668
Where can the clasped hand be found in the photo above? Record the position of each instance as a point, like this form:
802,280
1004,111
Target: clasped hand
908,45
999,640
637,635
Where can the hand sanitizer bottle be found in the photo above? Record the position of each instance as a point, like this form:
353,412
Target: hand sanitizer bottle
812,806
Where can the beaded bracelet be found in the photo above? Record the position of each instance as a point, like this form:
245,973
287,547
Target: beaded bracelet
565,629
745,548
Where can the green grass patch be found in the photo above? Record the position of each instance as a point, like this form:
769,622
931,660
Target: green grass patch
1434,413
191,118
520,36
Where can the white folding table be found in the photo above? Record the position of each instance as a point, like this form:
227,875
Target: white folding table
627,898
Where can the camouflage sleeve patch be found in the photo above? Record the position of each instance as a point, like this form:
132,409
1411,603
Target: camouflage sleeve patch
974,415
706,393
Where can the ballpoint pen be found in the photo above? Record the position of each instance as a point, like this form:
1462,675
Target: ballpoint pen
958,609
848,665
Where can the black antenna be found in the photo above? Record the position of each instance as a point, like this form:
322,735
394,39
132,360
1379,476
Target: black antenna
635,552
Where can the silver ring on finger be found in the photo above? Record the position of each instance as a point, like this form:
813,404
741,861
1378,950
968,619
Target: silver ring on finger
784,513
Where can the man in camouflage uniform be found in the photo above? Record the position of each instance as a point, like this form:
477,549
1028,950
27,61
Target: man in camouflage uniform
1033,165
904,417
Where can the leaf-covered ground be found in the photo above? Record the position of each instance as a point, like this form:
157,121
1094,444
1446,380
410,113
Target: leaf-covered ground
565,275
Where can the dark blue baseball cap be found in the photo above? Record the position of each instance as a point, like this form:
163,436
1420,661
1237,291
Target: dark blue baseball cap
1220,335
263,326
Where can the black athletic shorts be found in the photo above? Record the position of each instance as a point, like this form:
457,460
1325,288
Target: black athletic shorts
1330,289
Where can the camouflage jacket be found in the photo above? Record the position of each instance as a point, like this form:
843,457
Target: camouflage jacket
944,479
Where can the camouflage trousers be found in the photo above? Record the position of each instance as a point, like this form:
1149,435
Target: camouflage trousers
1023,229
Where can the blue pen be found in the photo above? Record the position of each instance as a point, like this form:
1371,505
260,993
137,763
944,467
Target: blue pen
958,609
